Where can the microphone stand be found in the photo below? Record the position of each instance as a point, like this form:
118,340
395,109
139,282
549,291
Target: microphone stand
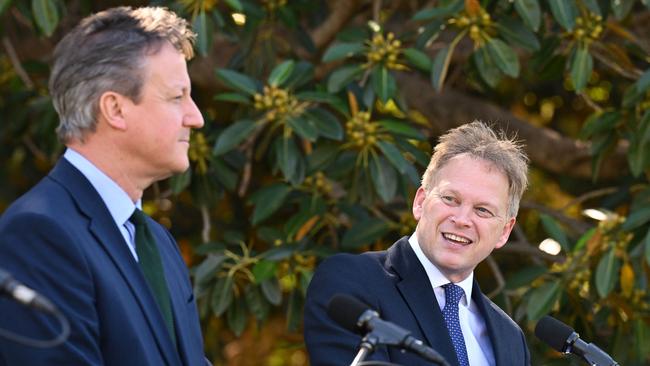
368,344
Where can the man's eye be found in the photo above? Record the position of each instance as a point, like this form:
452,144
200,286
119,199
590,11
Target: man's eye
448,199
484,212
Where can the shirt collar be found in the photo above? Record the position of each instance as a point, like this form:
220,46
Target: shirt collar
119,203
436,277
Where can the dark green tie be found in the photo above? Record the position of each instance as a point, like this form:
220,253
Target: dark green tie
151,265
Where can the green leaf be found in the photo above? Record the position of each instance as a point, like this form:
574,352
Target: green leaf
289,159
486,67
232,136
303,72
238,81
516,33
236,317
565,12
636,219
525,277
599,123
267,200
281,73
342,50
530,12
428,34
621,8
637,90
394,155
318,96
321,157
504,56
383,83
202,25
179,182
647,247
46,15
235,5
440,67
593,6
294,311
304,127
638,151
263,270
646,3
271,290
542,299
607,273
384,179
418,59
451,8
401,128
363,233
232,97
581,67
210,265
4,4
555,231
341,77
256,303
222,295
326,123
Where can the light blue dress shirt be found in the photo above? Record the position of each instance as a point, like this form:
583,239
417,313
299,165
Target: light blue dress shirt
475,333
119,203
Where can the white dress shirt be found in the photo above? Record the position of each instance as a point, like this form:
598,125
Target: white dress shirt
475,333
117,201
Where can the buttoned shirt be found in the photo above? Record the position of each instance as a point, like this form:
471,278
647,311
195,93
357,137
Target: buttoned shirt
475,333
117,201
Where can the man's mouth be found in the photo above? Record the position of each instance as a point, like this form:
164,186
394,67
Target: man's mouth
457,239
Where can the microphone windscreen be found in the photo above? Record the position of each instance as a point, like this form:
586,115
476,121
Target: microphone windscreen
553,332
346,311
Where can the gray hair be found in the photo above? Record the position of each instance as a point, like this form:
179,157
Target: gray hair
479,141
105,52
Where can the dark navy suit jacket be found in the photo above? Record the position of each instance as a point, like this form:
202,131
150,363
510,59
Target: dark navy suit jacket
394,283
60,239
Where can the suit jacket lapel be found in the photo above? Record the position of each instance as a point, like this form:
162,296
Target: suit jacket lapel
107,234
415,288
499,339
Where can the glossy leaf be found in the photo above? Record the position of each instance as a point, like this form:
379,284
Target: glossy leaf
418,59
621,8
428,34
486,67
384,179
232,136
235,5
525,277
256,303
393,155
207,269
440,67
599,123
504,56
179,182
637,219
516,33
529,11
564,12
236,317
343,50
272,291
639,149
302,73
400,128
46,15
304,127
451,8
232,97
281,73
363,233
267,200
294,311
555,231
542,299
593,6
222,295
581,67
289,159
607,273
383,83
263,270
647,247
202,25
340,78
238,81
326,123
636,91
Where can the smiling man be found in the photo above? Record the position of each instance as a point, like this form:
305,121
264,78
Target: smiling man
465,208
120,85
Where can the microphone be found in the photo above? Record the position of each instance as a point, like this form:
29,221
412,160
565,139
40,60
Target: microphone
23,294
563,338
357,317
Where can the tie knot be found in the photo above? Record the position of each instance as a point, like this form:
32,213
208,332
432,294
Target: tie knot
138,217
453,293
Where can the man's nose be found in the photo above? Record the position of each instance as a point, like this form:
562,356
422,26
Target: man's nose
193,117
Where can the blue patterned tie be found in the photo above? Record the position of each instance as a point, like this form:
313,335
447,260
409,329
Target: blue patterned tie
453,294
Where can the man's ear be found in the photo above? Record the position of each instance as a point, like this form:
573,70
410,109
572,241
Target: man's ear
507,228
418,201
112,108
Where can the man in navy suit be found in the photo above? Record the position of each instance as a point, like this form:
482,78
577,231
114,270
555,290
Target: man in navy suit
120,85
465,207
